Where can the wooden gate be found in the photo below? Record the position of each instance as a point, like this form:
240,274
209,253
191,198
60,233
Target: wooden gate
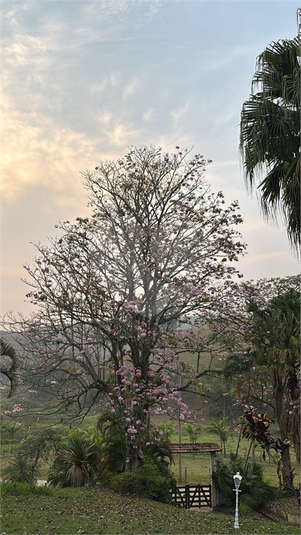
192,496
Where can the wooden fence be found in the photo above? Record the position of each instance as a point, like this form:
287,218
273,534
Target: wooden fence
188,496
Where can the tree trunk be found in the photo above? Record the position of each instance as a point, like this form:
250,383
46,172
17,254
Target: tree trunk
239,439
287,469
248,454
33,468
132,461
282,417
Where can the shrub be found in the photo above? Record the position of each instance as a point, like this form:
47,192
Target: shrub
148,482
158,481
23,489
112,453
255,491
127,483
15,489
42,491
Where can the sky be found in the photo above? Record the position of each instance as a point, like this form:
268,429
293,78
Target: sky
83,80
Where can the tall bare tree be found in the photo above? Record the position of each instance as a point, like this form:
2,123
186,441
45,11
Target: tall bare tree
156,250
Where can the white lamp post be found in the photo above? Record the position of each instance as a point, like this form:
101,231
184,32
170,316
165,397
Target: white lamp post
237,479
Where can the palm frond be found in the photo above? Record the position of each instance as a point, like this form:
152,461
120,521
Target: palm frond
270,134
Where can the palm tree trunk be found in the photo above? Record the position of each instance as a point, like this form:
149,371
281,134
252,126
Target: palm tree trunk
282,418
287,469
247,457
239,439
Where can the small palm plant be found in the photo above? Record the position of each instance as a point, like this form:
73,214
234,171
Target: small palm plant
167,430
218,427
74,465
193,431
18,470
11,428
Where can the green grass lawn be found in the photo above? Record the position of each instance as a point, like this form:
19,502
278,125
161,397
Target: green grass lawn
99,511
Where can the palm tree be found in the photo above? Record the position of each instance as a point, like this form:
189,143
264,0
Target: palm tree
218,427
271,366
276,340
270,134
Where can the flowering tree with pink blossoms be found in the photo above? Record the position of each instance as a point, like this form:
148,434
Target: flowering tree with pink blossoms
119,294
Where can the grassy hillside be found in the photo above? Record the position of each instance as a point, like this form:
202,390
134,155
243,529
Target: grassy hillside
99,511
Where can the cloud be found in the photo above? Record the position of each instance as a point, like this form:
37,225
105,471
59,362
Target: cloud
148,115
131,88
224,118
179,114
113,8
37,151
218,59
123,135
26,50
106,83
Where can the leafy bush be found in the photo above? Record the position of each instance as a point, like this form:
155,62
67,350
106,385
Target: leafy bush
148,482
23,489
127,483
42,491
158,480
15,489
255,491
112,452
